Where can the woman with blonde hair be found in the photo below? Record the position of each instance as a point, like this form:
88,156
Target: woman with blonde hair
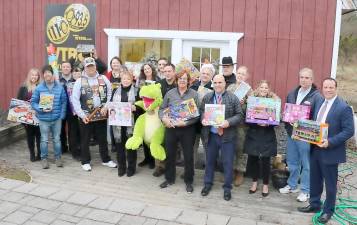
126,92
260,144
32,132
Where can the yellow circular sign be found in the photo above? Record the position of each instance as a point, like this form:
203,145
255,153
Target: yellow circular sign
57,30
78,17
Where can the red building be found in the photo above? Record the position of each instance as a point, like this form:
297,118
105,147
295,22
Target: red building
273,38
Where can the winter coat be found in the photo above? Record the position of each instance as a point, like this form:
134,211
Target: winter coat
260,141
233,114
59,102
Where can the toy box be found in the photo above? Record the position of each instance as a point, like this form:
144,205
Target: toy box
263,110
310,131
20,111
293,113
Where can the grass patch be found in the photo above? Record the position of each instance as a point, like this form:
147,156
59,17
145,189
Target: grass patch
11,172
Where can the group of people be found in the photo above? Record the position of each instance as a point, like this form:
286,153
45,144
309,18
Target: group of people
238,145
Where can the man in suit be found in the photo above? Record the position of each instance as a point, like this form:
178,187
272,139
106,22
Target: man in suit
326,156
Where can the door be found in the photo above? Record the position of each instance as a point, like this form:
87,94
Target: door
200,52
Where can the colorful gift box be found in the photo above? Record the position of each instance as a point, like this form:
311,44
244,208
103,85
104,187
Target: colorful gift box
46,101
20,111
263,110
214,114
184,111
310,131
185,64
293,113
202,91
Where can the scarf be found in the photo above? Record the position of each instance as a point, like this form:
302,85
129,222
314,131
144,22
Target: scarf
117,98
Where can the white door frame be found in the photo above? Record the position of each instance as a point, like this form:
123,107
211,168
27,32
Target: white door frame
177,37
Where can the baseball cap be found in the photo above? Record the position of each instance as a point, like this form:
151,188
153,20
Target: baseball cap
88,61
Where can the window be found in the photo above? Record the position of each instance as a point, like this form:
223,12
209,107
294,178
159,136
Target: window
135,50
205,55
134,44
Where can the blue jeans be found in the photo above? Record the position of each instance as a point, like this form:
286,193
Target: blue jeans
55,128
227,152
297,158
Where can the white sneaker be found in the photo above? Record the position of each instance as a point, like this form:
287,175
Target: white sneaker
303,197
86,167
287,189
110,164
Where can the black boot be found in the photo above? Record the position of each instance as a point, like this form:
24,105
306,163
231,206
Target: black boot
121,171
32,155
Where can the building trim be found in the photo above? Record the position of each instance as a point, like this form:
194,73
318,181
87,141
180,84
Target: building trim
336,39
177,37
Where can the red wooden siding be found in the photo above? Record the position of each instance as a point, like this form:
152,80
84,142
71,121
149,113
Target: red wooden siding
280,36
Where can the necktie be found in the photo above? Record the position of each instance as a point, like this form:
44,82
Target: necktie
220,129
322,112
219,99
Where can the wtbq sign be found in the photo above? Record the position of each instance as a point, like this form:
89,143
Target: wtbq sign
67,27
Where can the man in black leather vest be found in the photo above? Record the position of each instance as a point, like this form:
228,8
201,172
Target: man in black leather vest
90,94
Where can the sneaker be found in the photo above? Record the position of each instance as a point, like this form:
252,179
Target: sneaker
59,163
287,189
303,197
86,167
45,164
110,164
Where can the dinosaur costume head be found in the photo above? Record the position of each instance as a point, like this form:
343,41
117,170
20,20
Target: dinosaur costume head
151,97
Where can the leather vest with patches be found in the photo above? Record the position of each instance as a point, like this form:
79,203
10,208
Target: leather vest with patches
87,93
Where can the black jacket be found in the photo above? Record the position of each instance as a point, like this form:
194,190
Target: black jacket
23,94
310,99
233,114
64,83
231,79
260,141
197,84
165,87
101,66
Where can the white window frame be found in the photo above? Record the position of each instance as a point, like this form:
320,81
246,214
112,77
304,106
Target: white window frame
177,38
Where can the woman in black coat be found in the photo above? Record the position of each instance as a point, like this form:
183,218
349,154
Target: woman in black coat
261,144
32,132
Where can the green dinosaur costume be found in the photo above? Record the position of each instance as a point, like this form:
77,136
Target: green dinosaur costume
148,126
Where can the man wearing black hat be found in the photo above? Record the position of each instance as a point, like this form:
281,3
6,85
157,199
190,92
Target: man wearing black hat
228,66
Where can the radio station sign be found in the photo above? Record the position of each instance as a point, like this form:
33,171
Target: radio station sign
68,26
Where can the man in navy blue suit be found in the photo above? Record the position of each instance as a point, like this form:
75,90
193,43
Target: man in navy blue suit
325,157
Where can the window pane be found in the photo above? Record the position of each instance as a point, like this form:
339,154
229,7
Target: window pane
136,50
197,65
206,56
215,56
196,53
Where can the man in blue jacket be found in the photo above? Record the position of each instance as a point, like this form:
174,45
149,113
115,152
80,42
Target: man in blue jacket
298,152
49,101
325,157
